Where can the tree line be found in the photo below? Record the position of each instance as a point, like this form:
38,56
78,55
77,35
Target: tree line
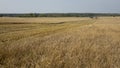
60,15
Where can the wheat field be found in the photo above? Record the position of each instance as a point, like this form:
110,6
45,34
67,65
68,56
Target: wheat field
62,42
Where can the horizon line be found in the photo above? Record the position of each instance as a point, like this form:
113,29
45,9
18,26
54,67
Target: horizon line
63,13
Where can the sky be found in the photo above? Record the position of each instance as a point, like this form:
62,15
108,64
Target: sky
59,6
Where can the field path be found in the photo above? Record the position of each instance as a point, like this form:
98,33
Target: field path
107,29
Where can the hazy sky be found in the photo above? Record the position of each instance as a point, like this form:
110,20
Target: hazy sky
59,6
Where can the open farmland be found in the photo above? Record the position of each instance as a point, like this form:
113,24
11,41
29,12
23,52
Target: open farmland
62,42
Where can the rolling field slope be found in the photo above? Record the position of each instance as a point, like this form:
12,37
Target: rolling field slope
60,42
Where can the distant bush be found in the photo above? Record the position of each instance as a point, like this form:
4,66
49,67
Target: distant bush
91,15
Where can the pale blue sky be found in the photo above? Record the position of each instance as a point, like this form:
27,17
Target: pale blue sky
59,6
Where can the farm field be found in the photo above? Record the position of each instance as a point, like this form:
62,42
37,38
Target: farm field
61,42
